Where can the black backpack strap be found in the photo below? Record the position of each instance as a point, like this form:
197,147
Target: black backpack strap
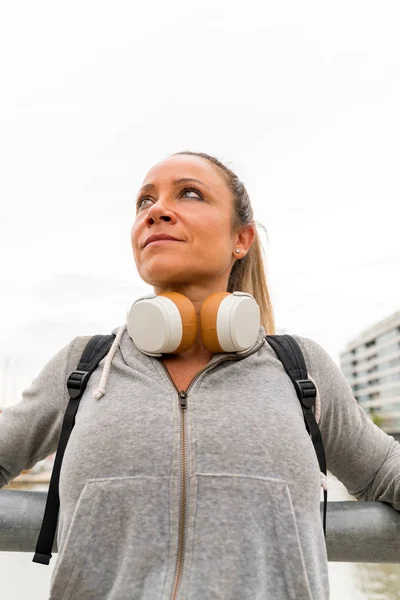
291,356
95,350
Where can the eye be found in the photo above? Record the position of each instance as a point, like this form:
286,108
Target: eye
190,189
193,190
140,200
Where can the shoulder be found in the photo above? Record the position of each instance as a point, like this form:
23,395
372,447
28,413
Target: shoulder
321,366
315,356
65,359
77,346
333,387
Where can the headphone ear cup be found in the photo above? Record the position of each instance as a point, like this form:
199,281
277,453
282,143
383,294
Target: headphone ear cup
162,324
230,322
188,317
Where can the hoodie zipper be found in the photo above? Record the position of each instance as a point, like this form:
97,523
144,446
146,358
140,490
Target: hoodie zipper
182,397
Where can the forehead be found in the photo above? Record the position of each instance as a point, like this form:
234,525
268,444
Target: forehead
181,166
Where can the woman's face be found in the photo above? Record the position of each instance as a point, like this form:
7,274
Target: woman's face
200,218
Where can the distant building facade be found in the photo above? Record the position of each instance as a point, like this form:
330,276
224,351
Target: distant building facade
371,365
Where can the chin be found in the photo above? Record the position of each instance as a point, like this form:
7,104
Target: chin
161,279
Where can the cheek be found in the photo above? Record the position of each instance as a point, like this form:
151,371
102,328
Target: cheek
219,233
133,235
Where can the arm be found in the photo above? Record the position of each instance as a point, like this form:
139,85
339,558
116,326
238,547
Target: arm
30,430
361,455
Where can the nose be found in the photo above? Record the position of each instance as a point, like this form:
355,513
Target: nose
160,210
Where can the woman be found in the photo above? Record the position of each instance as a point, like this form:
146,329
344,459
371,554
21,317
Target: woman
190,475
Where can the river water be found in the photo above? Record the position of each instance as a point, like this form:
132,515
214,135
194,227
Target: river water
21,579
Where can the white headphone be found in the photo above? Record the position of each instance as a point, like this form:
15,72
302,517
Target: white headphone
167,323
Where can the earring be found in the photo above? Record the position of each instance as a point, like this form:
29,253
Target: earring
237,250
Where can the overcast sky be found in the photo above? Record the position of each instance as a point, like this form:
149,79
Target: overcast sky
300,99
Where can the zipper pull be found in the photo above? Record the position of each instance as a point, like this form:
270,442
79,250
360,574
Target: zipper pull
183,399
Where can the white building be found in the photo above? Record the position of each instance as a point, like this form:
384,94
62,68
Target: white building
371,365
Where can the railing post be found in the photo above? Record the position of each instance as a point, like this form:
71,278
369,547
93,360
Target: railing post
21,515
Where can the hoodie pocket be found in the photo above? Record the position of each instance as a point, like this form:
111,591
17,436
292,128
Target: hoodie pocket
246,542
117,542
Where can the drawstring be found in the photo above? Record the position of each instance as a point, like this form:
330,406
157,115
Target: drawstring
101,390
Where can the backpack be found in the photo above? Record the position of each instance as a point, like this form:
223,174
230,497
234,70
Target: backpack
98,346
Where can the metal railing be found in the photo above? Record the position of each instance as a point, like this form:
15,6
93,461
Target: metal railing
356,531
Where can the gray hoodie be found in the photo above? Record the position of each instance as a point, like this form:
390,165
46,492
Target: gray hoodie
216,500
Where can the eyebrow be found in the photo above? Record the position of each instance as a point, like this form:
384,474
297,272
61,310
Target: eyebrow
176,181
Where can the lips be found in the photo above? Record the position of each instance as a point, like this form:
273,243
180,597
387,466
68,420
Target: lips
162,236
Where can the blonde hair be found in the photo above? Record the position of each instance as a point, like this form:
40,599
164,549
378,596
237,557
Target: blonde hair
248,274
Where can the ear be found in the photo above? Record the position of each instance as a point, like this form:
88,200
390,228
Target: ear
244,239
